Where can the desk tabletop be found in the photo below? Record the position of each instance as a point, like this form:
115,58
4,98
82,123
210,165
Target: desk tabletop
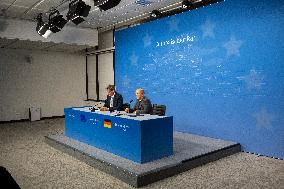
121,114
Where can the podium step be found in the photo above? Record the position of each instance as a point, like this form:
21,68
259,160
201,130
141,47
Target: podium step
190,151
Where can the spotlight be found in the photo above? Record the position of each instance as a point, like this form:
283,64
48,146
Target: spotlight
155,14
77,10
56,22
42,28
106,4
186,4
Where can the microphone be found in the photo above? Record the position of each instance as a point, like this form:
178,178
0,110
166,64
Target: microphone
130,105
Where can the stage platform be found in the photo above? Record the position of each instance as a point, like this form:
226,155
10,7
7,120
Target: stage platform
190,151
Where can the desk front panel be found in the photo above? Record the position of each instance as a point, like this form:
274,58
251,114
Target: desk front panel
110,133
139,141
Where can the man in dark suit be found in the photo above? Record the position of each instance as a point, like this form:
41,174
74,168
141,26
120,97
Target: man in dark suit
114,100
143,104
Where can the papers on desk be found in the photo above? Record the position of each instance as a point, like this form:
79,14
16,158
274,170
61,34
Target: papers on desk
121,114
85,109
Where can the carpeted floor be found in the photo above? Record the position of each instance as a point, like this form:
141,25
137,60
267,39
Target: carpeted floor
34,164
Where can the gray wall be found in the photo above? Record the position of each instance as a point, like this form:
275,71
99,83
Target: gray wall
105,73
105,67
49,80
92,81
106,39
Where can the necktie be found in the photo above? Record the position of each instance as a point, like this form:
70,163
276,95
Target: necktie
111,102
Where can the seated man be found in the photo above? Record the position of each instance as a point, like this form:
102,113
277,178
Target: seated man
114,100
143,104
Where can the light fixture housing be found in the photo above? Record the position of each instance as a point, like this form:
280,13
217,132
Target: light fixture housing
56,21
155,14
42,27
186,4
77,10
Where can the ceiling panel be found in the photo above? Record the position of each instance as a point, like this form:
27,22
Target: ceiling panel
85,24
5,42
25,3
8,1
32,14
127,10
48,4
3,5
93,24
122,4
95,12
15,11
3,8
67,48
125,13
157,5
39,45
105,22
31,45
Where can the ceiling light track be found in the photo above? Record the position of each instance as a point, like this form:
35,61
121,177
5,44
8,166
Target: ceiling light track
169,10
78,11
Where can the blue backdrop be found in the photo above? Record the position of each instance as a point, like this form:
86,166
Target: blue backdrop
219,69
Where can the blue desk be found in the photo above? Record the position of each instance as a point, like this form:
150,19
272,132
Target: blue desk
140,139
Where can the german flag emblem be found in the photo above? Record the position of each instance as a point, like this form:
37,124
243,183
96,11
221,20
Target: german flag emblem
107,123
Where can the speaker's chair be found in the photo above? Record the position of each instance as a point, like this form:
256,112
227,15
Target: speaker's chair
125,105
159,109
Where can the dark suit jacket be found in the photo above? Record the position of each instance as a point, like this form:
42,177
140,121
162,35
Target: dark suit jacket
117,102
143,107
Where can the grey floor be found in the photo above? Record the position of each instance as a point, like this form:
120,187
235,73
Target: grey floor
35,164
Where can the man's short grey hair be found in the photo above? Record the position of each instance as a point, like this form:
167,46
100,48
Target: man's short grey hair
140,89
